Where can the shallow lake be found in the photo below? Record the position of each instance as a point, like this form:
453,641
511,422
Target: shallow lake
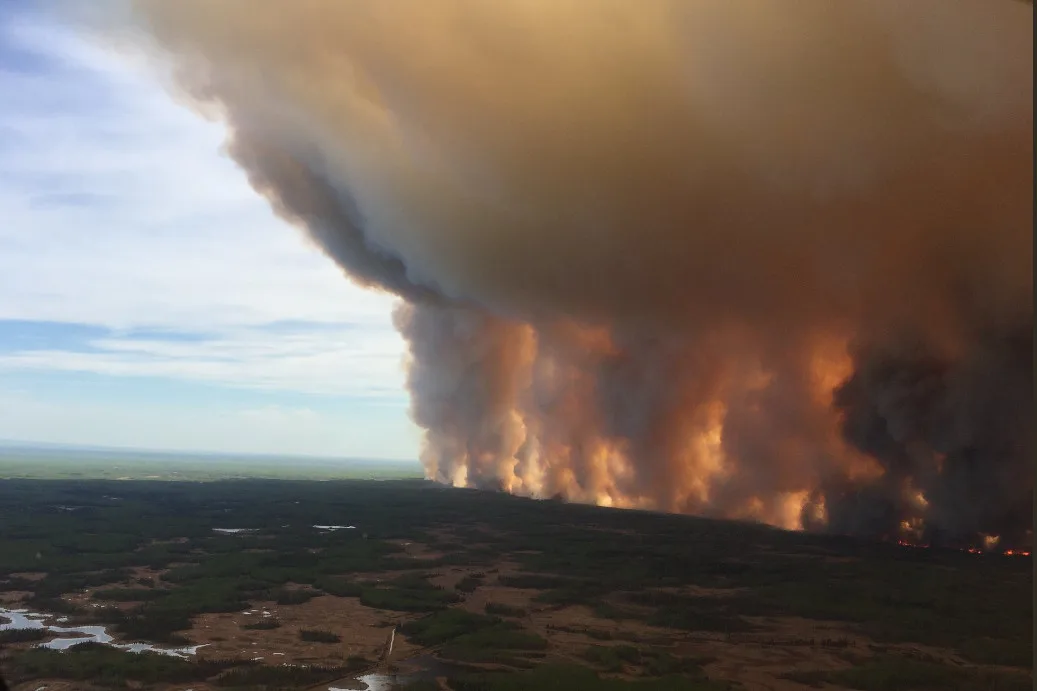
27,619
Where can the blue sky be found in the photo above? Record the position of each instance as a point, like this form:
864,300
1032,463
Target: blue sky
148,297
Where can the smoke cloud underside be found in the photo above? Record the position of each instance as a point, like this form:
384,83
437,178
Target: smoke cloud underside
751,259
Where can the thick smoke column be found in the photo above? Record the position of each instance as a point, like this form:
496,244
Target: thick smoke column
756,259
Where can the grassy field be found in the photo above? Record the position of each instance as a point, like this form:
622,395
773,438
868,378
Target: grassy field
510,593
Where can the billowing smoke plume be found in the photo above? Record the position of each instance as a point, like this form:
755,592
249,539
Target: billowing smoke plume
760,259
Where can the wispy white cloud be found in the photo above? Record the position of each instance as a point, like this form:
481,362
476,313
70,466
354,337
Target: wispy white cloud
357,362
170,235
119,210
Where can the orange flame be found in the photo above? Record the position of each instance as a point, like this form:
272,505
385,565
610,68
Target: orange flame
970,550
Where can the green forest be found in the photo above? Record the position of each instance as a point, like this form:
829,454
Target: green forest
633,570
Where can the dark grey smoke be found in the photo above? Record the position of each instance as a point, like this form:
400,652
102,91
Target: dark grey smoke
957,427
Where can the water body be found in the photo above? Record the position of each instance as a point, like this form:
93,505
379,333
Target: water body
411,670
376,682
26,619
239,531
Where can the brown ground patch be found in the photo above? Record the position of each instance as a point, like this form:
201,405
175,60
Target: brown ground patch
699,591
364,632
560,624
9,597
147,572
795,631
63,685
293,586
759,668
757,664
492,592
30,575
85,600
449,577
50,685
416,550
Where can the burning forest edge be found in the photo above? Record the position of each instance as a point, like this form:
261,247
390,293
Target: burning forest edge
970,550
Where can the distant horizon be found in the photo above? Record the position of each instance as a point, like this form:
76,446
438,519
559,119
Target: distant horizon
7,444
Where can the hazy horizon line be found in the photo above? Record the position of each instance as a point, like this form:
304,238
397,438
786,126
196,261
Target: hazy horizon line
26,444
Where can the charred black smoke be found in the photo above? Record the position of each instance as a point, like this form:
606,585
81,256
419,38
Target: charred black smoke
956,428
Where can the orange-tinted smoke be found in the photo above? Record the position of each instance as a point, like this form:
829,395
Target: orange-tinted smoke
642,244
